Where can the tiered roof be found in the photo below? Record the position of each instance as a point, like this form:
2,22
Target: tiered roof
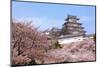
71,17
72,26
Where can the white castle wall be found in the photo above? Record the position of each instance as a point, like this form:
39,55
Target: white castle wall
69,40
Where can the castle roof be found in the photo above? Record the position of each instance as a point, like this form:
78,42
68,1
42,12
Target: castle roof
70,36
72,17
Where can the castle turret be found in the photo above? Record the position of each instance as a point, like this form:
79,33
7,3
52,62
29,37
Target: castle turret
72,26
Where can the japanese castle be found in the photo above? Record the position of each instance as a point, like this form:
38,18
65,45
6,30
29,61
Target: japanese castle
71,31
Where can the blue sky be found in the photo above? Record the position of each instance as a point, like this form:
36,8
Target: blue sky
46,16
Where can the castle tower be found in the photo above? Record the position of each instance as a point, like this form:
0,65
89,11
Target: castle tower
72,26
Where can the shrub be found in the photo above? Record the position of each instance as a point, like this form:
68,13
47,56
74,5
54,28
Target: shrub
54,43
57,45
94,37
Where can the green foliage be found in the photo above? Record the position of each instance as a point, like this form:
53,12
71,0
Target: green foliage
94,37
32,62
57,45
